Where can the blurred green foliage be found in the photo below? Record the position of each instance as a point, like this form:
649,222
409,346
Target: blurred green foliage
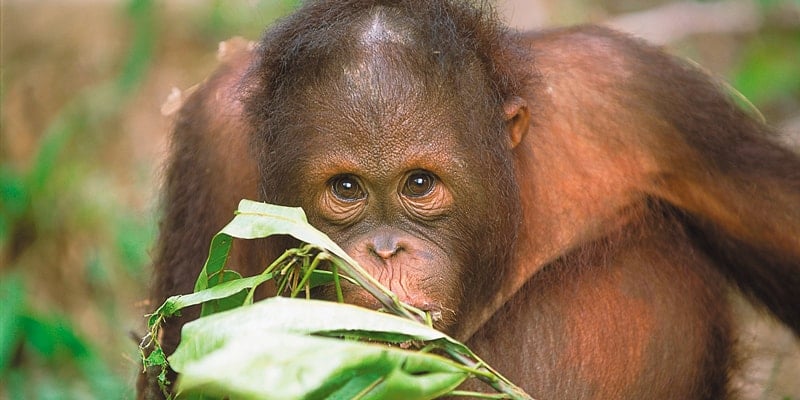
768,71
42,355
770,68
59,197
221,20
31,199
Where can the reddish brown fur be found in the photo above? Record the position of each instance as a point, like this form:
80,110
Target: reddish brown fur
614,324
644,193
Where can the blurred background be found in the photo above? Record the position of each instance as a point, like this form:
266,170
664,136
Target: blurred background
83,139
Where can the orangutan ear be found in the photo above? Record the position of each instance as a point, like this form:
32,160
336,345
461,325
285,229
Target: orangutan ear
517,118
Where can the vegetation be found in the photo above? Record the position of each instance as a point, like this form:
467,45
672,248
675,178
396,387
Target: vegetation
334,347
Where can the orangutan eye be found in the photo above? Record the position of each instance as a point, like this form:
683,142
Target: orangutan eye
419,184
346,188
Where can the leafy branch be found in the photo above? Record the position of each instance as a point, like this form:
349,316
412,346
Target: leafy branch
292,348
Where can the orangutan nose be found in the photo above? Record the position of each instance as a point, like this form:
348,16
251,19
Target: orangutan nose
385,246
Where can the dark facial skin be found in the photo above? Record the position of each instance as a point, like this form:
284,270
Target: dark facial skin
391,185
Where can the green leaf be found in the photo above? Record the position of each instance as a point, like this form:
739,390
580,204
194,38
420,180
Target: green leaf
264,351
176,303
12,296
156,358
217,256
283,314
227,290
275,365
224,303
255,220
258,220
284,348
